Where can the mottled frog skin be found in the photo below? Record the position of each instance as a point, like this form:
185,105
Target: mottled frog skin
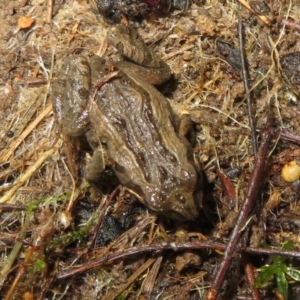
129,122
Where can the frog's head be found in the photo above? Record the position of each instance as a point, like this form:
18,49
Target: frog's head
182,205
178,204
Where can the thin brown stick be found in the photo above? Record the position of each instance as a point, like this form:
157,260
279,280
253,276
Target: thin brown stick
246,85
4,206
262,18
284,134
20,273
50,11
254,185
249,272
123,254
102,215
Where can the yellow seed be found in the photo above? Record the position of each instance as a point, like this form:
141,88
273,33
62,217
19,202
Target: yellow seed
291,171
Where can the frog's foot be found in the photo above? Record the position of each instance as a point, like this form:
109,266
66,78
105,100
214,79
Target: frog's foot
186,126
94,167
147,66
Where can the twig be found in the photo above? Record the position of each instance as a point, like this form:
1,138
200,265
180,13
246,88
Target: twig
262,18
253,188
284,134
102,215
107,259
249,272
20,273
50,11
177,52
246,85
12,207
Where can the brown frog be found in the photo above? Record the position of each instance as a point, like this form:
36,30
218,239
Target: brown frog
129,122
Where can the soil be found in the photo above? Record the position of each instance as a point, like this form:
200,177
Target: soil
63,239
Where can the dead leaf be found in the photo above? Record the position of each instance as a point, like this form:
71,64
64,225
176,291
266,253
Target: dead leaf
25,22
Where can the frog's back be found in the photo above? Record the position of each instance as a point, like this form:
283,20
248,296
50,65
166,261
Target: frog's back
137,124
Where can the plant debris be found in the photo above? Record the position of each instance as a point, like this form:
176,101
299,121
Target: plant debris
63,239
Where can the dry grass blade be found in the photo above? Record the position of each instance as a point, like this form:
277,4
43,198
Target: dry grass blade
15,144
8,196
262,18
149,281
131,279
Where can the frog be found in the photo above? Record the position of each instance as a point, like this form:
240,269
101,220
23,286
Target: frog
129,123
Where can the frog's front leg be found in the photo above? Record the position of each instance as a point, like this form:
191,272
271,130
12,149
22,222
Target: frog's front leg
96,163
185,127
70,95
94,167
